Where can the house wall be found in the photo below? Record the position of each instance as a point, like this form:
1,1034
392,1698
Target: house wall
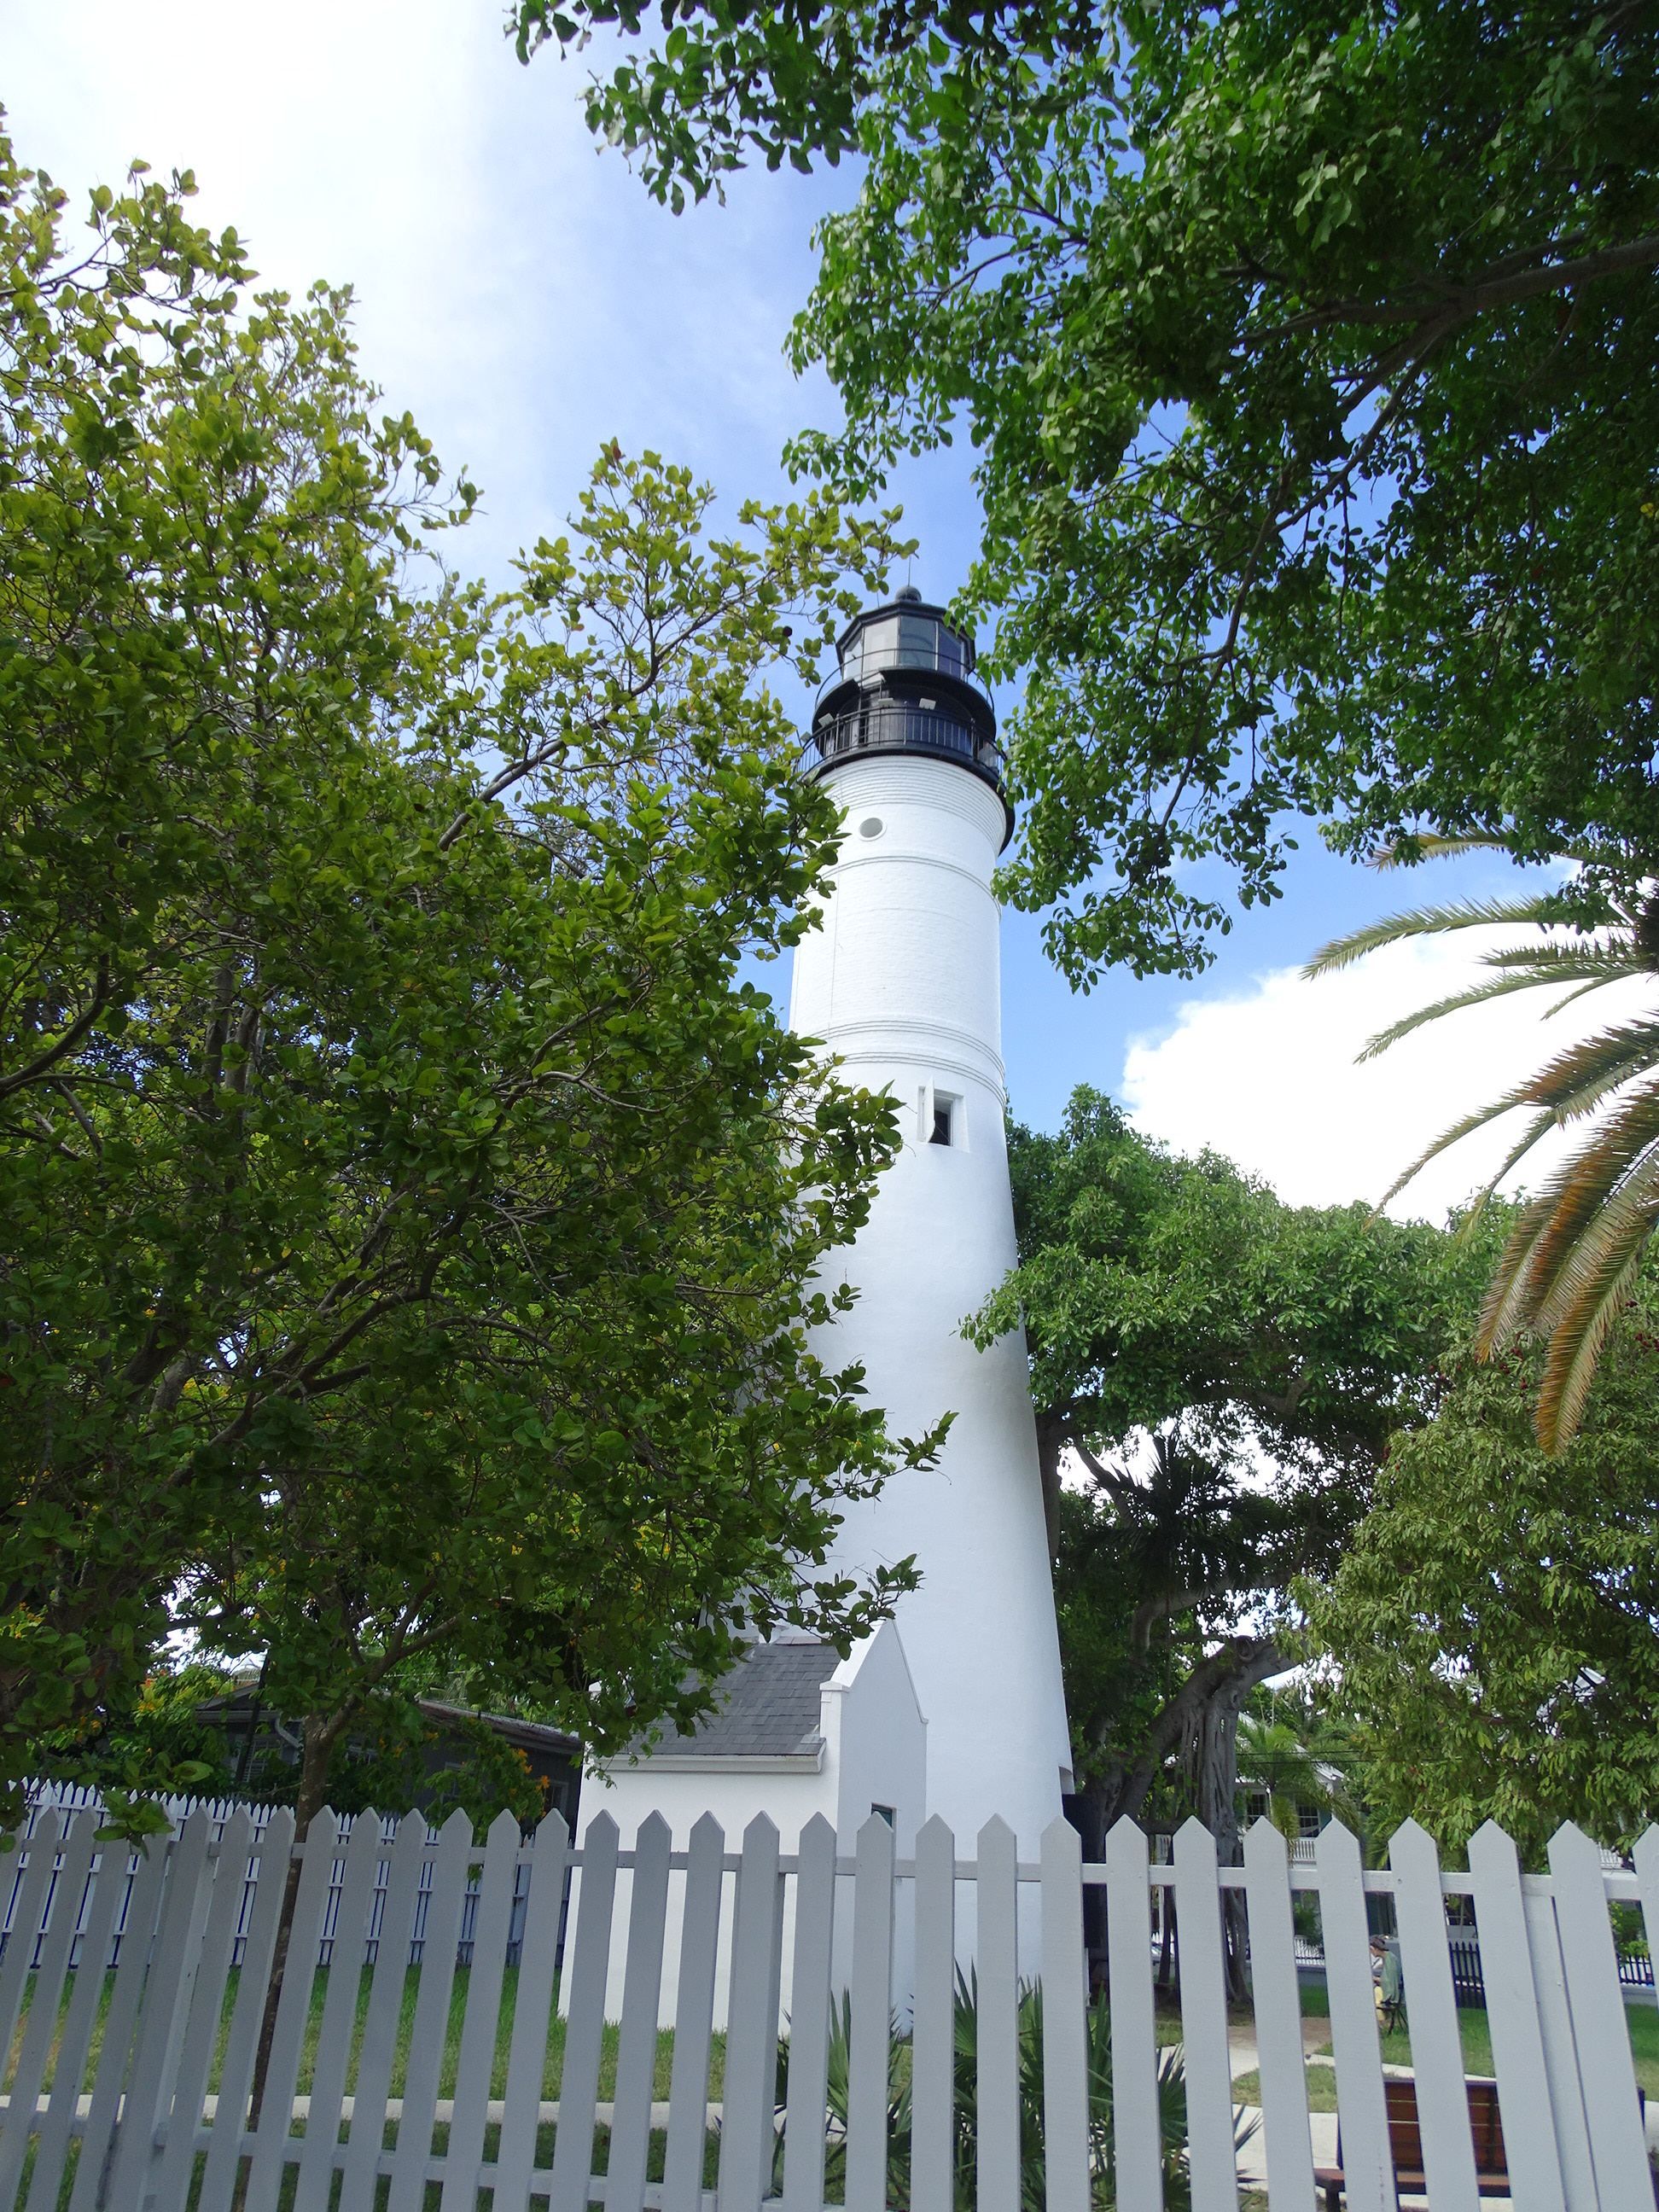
875,1752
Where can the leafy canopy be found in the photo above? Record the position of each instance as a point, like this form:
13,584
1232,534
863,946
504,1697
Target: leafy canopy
410,1223
1270,1350
1492,1627
1306,353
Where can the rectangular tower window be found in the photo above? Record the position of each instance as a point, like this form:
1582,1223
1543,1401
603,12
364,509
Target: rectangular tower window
885,1811
941,1126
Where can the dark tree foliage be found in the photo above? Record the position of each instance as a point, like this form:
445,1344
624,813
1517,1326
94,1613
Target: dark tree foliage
1307,354
1225,1372
1492,1627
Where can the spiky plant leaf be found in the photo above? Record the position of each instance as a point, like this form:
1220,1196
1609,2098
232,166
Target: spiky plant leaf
1426,921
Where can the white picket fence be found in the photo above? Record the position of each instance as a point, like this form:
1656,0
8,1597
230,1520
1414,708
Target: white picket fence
168,2089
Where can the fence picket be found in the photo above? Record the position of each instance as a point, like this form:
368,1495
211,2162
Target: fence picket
872,2015
273,2142
236,2074
1367,2167
579,2084
932,2055
424,2069
1208,2069
386,2000
328,2078
28,1909
1512,2017
1136,2132
475,2065
166,1988
694,2013
1599,2029
1278,2019
84,2007
1443,2104
533,2010
636,2050
997,1927
752,2038
1645,1858
37,2036
120,2022
1065,2023
1560,2058
206,2005
809,2022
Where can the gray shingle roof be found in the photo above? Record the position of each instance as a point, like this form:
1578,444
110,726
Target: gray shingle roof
769,1706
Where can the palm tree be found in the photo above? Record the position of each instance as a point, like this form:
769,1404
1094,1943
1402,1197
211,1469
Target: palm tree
1573,1253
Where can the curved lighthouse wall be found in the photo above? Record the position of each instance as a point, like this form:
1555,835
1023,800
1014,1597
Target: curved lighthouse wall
902,982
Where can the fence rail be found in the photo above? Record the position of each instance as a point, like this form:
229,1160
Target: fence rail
163,2105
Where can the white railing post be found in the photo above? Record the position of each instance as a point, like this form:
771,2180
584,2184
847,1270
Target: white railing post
345,1969
1599,2028
1367,2167
694,2013
996,1927
48,1981
422,2071
584,2035
871,2017
1278,2019
1203,2021
636,2050
751,2027
933,2052
1443,2104
1065,2023
120,2022
809,2020
1513,2016
201,2033
1137,2130
236,2074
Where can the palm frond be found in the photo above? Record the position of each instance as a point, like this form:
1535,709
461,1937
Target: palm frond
1576,1348
1424,921
1606,962
1535,1132
1626,1213
1475,995
1552,1223
1572,1085
1577,1081
1435,849
1583,991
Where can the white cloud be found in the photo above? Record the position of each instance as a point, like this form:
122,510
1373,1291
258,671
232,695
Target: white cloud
1268,1076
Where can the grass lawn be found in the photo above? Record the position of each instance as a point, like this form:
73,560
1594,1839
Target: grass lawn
1643,2021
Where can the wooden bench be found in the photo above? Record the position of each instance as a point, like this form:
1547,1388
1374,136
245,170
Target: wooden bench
1492,2171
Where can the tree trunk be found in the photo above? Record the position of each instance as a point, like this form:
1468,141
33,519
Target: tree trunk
1051,1442
1211,1761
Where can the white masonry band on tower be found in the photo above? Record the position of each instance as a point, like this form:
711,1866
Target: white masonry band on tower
903,983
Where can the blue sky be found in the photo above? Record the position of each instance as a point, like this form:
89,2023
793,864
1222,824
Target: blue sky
526,299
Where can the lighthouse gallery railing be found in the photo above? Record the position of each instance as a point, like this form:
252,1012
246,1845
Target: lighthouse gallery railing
417,2079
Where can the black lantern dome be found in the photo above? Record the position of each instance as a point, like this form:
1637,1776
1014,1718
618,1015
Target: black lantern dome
905,685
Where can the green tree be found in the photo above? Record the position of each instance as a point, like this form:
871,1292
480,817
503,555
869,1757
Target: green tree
1572,1256
410,1221
1306,353
1493,1626
1268,1353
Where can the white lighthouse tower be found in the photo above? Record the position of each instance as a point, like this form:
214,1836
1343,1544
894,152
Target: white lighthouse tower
901,982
